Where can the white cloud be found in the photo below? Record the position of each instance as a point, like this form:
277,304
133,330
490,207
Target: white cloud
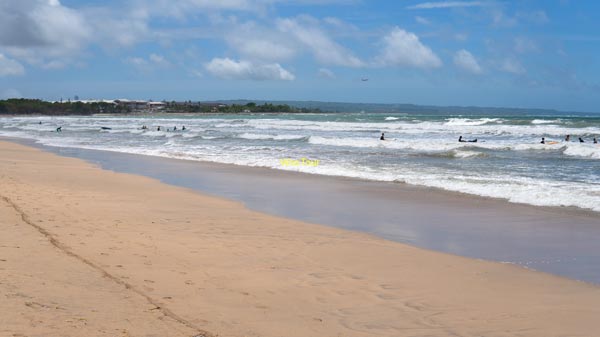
153,62
447,4
422,20
43,26
305,31
10,67
513,66
325,73
264,49
244,70
467,62
255,42
402,48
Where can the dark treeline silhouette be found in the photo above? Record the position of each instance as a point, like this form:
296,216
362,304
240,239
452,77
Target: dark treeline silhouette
23,106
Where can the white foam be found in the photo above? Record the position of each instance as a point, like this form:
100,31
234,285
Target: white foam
545,121
255,136
591,151
343,144
391,118
469,121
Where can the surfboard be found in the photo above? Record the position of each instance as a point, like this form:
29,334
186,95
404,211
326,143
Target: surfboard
550,143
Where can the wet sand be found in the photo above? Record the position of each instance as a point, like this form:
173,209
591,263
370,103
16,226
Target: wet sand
89,252
562,241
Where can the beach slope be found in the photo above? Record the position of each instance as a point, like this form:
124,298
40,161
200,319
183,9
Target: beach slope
89,252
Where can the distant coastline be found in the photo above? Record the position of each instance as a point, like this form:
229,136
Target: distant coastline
22,106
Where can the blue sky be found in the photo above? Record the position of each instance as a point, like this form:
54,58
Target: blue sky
484,53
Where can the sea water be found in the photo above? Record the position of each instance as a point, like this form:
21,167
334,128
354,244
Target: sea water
507,161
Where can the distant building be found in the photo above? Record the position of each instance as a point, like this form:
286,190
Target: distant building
134,105
153,106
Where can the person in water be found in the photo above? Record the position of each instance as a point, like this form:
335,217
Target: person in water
382,136
183,128
144,127
568,138
158,128
581,140
461,140
543,141
175,128
595,141
59,129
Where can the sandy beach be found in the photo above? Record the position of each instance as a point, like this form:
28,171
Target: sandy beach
90,252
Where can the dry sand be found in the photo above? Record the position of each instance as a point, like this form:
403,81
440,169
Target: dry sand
87,252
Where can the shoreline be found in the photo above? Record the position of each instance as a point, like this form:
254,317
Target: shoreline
170,260
561,241
192,265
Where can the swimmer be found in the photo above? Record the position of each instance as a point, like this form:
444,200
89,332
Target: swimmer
568,138
543,141
183,128
59,129
595,141
174,128
158,128
581,140
382,136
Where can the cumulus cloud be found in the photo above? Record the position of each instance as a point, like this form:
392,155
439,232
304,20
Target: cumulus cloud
326,50
10,67
43,25
513,66
325,73
259,43
464,60
402,48
447,4
227,68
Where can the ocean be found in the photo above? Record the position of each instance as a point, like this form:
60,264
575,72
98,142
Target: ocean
508,161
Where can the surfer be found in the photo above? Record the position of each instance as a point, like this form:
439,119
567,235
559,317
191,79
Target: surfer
595,141
581,140
382,136
175,128
461,140
568,138
158,128
543,141
183,128
59,129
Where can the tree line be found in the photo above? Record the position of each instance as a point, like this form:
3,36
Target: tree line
23,106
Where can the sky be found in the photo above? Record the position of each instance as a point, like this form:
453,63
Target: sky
529,54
